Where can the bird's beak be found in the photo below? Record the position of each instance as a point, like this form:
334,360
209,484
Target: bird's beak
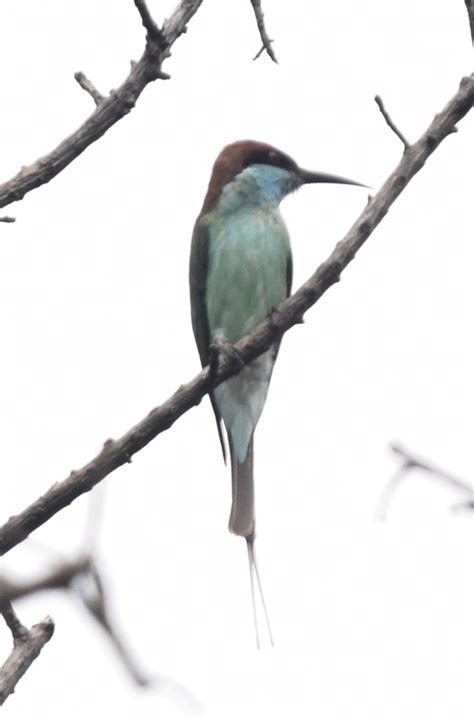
307,176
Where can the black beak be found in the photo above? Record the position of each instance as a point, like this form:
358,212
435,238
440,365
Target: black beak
307,176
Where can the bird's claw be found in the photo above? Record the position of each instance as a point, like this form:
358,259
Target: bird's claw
221,348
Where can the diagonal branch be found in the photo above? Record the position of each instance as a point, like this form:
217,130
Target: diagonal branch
109,110
27,645
118,452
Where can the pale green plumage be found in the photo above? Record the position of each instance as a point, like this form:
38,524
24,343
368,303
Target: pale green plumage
247,277
247,269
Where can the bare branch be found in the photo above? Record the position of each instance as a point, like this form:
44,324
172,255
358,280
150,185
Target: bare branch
110,110
27,645
88,86
390,122
118,452
470,12
7,219
267,43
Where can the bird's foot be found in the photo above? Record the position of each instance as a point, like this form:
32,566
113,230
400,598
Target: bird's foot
222,348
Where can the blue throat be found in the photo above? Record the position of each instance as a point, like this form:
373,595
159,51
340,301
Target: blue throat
257,185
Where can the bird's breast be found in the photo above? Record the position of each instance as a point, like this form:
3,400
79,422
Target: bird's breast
247,270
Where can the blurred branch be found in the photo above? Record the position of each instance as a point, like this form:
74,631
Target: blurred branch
60,577
27,645
7,219
266,42
89,588
109,109
82,577
116,453
390,122
411,462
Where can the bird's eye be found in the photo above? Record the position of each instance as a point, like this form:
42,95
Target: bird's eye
272,156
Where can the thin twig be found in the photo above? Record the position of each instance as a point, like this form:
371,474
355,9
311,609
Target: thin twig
27,645
266,42
390,122
148,23
388,493
116,453
89,87
18,631
114,107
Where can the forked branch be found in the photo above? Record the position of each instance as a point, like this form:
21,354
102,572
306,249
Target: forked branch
109,109
27,645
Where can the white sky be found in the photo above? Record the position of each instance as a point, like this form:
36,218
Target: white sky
371,620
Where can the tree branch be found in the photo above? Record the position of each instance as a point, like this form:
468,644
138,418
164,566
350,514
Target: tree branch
266,42
109,110
27,645
118,452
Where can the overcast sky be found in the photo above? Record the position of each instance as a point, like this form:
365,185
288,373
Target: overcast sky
371,620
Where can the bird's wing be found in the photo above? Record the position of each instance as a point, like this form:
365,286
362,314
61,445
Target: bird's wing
198,266
289,274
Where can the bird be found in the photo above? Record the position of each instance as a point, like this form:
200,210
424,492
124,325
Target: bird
240,270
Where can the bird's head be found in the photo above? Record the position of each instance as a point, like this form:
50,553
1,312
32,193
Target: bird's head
252,172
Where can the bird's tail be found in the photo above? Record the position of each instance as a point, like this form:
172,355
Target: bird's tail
242,522
242,514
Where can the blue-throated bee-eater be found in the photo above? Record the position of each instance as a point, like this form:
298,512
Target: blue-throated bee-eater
241,270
